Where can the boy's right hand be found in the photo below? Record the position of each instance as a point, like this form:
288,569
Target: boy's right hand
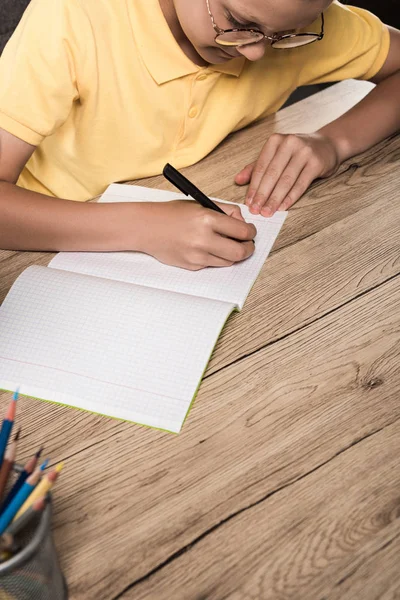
182,233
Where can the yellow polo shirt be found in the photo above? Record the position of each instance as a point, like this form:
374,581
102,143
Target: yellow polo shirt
105,92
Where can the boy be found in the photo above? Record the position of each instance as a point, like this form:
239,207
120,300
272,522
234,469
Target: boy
96,91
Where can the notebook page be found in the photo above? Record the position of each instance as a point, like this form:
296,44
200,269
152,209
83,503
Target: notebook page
109,347
229,284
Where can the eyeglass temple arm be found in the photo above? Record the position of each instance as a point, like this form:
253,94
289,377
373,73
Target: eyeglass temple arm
217,29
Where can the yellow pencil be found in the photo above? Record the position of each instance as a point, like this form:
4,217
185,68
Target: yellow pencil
41,489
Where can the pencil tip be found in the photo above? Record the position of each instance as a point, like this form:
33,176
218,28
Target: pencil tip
16,394
17,434
39,452
44,464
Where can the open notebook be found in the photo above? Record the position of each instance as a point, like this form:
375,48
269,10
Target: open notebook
120,333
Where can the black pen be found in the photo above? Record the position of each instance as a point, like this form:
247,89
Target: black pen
188,188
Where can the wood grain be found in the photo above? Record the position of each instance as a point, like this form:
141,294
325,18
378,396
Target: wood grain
274,549
284,482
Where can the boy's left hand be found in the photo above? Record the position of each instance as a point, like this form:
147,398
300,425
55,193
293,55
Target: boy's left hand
287,165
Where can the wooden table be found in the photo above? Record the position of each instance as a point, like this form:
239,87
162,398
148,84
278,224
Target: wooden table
285,480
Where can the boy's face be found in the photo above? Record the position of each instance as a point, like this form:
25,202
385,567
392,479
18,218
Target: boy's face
270,16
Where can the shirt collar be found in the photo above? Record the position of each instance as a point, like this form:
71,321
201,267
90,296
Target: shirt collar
162,55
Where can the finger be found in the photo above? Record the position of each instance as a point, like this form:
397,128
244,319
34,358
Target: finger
234,228
208,260
215,261
271,177
261,166
232,210
243,177
303,182
230,250
284,185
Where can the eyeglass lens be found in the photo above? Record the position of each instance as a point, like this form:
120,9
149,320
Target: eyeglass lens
245,37
295,41
239,38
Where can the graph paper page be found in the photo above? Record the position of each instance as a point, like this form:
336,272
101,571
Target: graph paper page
229,284
109,347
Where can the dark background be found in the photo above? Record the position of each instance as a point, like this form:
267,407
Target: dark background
384,9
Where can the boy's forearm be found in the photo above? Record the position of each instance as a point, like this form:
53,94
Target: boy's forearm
31,221
373,119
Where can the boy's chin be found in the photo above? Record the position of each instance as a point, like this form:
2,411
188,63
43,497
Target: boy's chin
216,55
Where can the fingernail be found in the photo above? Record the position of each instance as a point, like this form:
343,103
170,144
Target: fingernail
249,199
267,211
255,209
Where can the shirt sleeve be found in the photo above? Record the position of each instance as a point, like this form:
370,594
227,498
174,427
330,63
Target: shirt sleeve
355,46
38,69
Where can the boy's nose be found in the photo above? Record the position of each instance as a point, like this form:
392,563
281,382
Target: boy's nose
253,51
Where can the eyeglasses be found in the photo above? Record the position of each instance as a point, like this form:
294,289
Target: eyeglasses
243,36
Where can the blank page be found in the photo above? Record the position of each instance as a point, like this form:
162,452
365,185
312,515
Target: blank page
113,348
229,284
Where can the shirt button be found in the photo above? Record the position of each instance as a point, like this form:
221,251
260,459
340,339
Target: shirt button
202,77
193,112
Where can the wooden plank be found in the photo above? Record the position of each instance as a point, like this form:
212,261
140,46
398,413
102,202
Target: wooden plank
127,504
304,541
376,576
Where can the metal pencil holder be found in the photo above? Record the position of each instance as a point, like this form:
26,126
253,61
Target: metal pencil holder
34,573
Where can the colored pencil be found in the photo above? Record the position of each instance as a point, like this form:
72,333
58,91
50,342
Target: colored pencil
35,508
8,463
27,488
41,489
29,467
7,426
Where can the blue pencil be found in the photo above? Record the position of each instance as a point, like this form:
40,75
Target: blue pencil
27,488
7,426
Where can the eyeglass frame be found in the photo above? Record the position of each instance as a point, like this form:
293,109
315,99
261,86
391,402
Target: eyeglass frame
272,38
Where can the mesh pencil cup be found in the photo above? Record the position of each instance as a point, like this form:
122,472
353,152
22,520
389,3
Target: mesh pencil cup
34,573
